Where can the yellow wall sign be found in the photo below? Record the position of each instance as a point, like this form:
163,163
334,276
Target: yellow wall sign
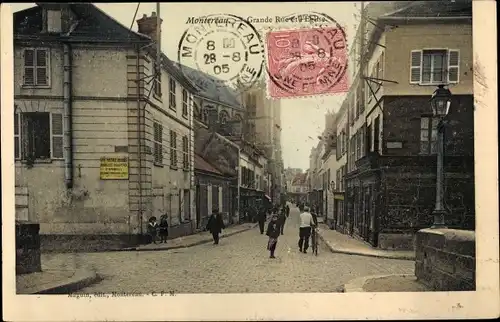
114,168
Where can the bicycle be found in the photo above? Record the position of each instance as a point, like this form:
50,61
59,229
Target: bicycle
315,241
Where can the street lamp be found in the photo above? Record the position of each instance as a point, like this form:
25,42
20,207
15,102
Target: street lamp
440,103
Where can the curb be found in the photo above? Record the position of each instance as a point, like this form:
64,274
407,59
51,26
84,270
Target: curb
348,252
81,279
200,242
356,285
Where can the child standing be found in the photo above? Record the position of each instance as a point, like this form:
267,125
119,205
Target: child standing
163,228
273,232
153,228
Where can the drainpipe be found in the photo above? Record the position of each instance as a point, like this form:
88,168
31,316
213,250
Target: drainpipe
68,115
139,142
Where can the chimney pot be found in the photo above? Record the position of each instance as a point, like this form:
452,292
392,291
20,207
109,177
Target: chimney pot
153,14
144,15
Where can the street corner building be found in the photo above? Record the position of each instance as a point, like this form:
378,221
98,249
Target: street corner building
383,181
103,135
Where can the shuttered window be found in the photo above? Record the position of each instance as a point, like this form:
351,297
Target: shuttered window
434,66
416,67
453,66
185,153
173,149
38,136
172,86
158,143
185,102
57,135
36,67
17,135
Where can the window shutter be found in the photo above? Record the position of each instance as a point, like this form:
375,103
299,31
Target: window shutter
29,67
42,75
17,136
57,135
453,66
416,66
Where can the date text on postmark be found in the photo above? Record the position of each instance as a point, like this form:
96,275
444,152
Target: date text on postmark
226,47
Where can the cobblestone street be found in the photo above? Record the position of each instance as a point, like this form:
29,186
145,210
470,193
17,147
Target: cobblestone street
239,264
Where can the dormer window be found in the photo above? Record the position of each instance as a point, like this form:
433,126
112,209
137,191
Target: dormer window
54,21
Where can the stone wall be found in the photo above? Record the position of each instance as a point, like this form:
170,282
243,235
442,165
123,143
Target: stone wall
28,248
445,259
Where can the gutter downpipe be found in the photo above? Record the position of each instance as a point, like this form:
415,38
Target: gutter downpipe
139,142
68,117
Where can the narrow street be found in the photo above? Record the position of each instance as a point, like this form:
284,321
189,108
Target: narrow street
239,264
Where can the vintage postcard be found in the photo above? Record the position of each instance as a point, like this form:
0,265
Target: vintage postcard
249,161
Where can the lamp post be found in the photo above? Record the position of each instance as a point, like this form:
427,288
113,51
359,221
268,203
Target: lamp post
440,103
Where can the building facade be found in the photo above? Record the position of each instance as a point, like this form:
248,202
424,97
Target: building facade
97,158
262,127
391,147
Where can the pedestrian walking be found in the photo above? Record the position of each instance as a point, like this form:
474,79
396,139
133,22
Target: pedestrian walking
273,232
152,229
163,228
262,216
306,224
287,209
215,225
282,219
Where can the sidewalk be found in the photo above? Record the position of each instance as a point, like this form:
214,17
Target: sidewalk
54,281
385,283
344,244
191,240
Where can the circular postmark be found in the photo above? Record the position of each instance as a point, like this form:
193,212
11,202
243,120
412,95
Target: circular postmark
225,47
309,59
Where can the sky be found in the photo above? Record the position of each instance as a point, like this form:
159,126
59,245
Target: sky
302,120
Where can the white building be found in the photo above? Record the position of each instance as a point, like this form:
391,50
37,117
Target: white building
95,153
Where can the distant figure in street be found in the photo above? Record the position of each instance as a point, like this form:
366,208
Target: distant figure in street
215,225
306,224
287,209
282,219
153,229
262,215
273,232
163,228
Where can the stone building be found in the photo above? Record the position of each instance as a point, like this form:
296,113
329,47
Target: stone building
391,133
96,155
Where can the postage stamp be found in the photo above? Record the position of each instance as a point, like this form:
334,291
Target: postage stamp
307,61
224,46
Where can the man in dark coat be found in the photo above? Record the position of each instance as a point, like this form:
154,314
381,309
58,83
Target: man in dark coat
287,209
215,225
262,216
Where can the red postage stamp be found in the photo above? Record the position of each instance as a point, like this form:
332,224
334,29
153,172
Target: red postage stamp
306,62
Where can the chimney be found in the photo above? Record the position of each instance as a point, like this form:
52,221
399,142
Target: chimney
148,25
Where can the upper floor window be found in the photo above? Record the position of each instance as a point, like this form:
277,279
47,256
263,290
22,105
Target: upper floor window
38,136
428,135
434,67
185,152
171,97
173,149
185,102
158,143
157,80
36,67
